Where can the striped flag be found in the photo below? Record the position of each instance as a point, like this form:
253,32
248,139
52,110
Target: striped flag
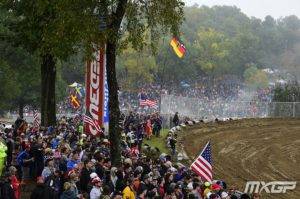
144,101
36,122
93,123
202,165
178,47
147,102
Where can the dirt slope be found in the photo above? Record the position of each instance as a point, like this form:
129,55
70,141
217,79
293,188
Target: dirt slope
251,149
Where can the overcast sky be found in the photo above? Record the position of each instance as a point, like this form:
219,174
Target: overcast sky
257,8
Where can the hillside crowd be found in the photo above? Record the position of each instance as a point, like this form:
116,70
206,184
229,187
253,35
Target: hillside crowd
65,163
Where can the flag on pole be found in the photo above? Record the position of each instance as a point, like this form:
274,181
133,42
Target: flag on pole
36,122
178,47
202,166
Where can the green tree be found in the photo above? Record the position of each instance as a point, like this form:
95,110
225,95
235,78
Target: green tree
21,65
52,29
7,88
255,78
213,49
136,68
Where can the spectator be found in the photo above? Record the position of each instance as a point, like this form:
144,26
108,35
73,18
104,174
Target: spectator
176,119
128,192
6,187
24,161
15,182
96,191
49,169
85,175
68,192
42,191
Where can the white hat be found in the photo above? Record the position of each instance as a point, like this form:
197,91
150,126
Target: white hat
208,194
93,175
106,141
224,195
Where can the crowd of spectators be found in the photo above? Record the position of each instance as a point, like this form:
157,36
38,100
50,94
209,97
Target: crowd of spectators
65,163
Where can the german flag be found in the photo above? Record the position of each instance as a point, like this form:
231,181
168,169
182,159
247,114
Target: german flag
178,47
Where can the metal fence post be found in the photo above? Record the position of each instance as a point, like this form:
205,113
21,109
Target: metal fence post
294,109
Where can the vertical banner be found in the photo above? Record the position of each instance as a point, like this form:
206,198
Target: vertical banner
106,97
95,93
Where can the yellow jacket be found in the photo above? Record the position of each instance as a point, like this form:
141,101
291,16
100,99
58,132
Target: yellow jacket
128,193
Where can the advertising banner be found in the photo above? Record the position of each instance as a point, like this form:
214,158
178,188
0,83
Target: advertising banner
96,102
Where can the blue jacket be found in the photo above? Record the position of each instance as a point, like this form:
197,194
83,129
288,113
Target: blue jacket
24,155
71,164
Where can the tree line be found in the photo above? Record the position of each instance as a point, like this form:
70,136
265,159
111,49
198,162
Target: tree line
220,40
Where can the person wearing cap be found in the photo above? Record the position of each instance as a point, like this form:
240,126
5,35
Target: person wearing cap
96,190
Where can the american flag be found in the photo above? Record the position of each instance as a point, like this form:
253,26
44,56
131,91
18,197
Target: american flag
144,101
90,121
147,102
202,165
36,122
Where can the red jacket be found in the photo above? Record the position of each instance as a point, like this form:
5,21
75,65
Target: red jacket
16,186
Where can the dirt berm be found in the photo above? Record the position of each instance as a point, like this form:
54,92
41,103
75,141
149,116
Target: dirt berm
250,150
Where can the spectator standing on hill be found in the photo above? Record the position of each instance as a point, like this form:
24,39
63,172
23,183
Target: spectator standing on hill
173,142
176,119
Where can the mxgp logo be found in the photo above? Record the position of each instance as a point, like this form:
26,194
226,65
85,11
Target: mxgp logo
270,187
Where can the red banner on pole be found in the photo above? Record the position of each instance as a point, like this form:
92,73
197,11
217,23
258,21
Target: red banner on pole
95,93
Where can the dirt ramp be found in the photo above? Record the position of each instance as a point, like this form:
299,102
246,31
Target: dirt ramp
251,150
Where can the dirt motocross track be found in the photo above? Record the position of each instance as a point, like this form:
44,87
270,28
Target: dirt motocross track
249,150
